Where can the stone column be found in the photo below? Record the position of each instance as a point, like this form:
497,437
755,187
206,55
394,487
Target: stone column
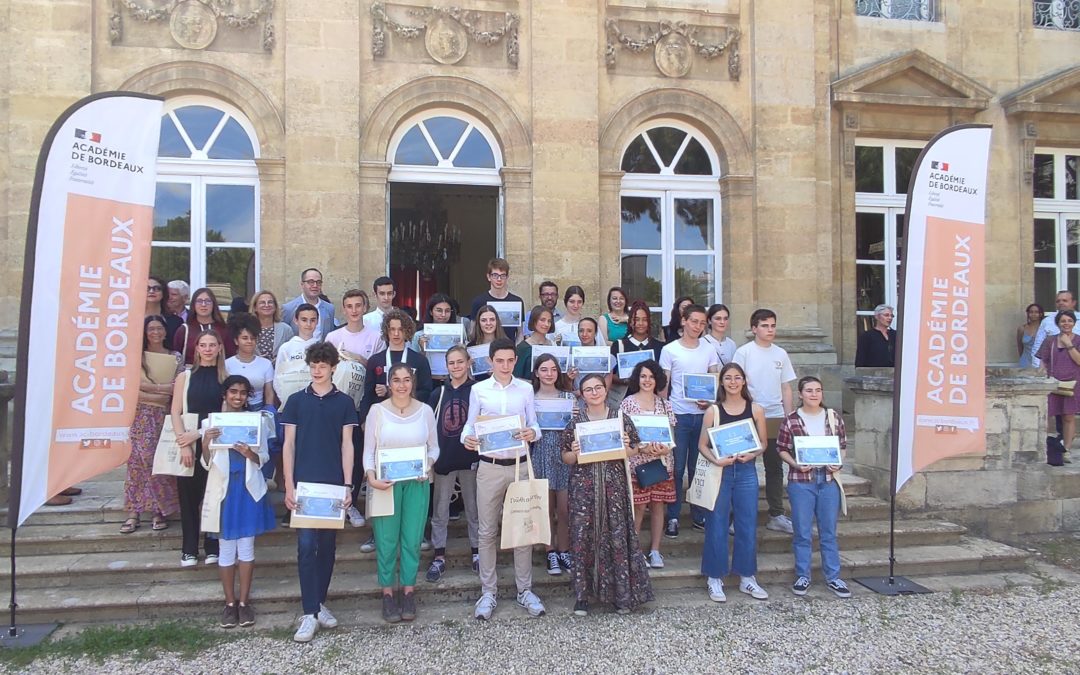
517,226
373,239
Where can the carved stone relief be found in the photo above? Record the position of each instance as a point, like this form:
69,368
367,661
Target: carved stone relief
194,24
1027,144
675,45
448,32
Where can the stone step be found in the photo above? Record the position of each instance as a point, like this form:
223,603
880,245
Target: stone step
64,537
278,558
182,596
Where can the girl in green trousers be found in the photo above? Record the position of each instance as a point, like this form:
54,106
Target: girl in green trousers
400,422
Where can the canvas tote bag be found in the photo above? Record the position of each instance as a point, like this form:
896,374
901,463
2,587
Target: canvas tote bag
167,455
705,487
525,511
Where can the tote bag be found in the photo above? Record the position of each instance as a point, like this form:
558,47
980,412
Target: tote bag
167,455
705,487
525,511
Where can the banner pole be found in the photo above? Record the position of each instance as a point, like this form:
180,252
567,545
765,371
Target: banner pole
12,630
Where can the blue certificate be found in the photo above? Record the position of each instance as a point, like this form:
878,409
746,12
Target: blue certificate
553,414
627,361
817,450
734,438
699,387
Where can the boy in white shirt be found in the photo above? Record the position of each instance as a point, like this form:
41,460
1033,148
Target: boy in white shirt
385,291
291,355
769,375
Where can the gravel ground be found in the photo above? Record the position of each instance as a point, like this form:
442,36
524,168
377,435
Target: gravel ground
1021,630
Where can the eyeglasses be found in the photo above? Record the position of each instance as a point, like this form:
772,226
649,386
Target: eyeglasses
313,282
497,275
203,301
153,289
594,390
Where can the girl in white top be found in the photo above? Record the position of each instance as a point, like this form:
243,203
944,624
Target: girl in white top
716,335
566,328
258,370
400,422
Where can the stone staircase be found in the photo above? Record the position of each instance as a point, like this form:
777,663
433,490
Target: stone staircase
74,565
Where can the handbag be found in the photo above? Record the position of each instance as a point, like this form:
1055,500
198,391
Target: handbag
525,520
650,473
1065,388
167,454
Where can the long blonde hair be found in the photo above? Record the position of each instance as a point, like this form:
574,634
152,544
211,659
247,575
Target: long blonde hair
221,372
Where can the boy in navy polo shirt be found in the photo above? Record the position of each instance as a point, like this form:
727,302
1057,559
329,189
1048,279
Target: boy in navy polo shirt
318,449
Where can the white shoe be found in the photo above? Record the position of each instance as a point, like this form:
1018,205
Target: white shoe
749,585
425,544
188,560
780,523
308,627
368,546
326,619
485,606
211,559
355,518
528,600
716,590
656,561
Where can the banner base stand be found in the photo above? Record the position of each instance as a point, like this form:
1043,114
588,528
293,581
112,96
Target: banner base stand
892,585
26,636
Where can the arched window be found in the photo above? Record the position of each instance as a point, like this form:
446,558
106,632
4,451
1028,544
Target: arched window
444,146
670,202
206,214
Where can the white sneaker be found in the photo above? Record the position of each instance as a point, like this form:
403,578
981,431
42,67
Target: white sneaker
368,546
188,560
531,603
425,544
485,606
780,523
211,559
749,585
326,619
308,627
656,561
716,590
355,518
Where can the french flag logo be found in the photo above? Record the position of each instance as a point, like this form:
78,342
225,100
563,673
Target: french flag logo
940,166
91,136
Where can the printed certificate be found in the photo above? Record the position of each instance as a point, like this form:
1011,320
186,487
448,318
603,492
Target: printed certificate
734,438
600,440
481,360
700,387
627,361
240,427
320,506
396,464
561,354
817,450
591,359
496,434
553,414
440,337
654,429
509,313
437,361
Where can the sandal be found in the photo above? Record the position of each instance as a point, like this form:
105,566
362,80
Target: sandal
159,524
129,526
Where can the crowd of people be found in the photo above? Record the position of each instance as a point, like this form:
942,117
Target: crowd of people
295,366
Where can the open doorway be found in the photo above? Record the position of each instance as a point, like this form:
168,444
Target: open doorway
441,237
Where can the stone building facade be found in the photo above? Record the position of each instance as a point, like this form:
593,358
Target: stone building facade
753,152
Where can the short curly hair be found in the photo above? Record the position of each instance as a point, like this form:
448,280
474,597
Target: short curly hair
407,324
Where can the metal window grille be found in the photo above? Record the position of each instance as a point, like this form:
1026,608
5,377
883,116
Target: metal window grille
907,10
1057,14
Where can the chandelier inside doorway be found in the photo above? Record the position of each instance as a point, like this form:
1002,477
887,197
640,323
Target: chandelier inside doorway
425,245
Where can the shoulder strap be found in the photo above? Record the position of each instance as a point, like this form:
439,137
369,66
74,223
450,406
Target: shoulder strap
183,345
187,383
438,406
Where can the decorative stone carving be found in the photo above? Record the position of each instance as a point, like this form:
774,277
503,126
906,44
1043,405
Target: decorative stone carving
194,23
674,47
447,31
1027,143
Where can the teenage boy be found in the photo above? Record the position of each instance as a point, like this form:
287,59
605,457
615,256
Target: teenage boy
501,394
291,355
385,291
769,375
356,342
310,294
688,355
549,298
318,449
498,275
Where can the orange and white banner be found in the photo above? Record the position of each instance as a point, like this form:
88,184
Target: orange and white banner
83,297
940,386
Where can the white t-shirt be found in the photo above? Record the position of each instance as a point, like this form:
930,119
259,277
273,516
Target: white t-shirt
815,424
258,372
373,321
677,359
725,350
361,343
766,369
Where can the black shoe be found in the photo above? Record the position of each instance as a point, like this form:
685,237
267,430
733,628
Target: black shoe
391,612
408,606
435,570
581,608
801,585
566,562
699,525
671,530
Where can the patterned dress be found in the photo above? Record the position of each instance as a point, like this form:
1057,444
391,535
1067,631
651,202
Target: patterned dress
664,491
143,491
546,456
603,540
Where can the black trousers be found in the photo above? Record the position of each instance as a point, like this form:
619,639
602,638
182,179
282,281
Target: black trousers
191,492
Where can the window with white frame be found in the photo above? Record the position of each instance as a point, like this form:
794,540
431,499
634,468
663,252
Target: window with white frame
907,10
444,146
882,172
670,203
1057,223
206,213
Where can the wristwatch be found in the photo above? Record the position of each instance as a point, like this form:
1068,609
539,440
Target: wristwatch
349,485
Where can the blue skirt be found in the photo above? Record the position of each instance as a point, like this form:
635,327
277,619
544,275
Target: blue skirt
242,516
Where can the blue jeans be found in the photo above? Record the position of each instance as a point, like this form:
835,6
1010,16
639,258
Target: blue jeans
818,499
738,492
315,550
687,430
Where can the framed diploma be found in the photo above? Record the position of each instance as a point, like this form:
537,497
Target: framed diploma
654,429
496,434
437,361
627,361
700,387
561,354
319,506
481,360
239,427
600,440
817,450
509,313
553,414
442,336
734,438
591,359
396,464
